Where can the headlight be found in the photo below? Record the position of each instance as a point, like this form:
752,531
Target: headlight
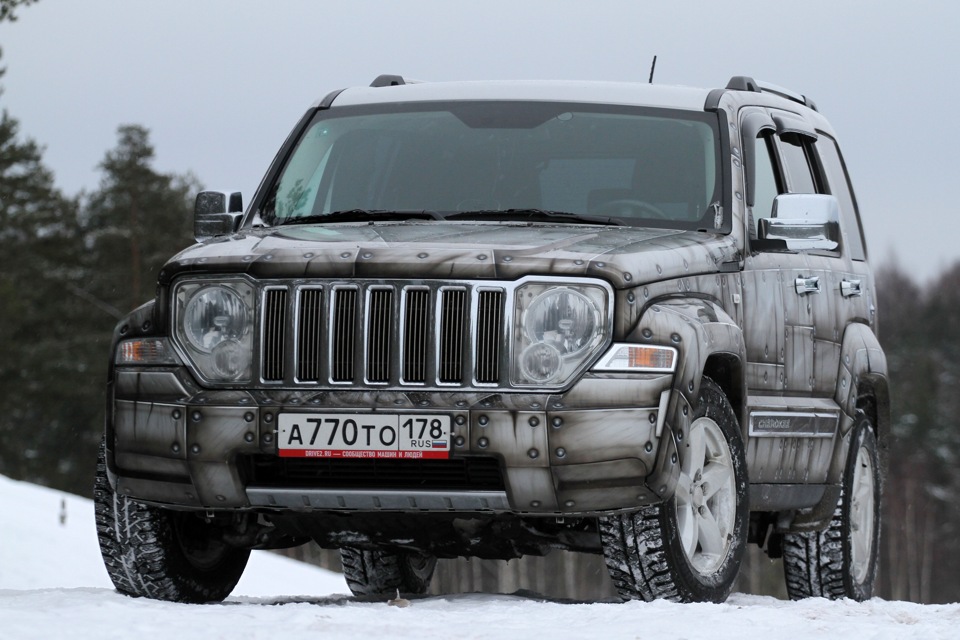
560,328
213,316
215,325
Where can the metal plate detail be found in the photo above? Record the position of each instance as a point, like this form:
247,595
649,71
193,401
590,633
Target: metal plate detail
793,424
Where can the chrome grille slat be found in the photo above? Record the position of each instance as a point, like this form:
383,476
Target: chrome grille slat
488,332
343,332
310,335
274,323
452,321
416,322
379,330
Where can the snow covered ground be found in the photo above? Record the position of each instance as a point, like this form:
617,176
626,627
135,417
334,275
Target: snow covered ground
52,585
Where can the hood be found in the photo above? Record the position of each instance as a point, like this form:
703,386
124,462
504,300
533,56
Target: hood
624,256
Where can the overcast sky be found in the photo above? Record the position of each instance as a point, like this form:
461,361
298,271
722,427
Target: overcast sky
220,83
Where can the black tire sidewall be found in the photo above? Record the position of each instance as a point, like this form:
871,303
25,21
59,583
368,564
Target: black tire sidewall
691,584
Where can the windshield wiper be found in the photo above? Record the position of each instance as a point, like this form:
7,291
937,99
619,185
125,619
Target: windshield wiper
526,215
518,215
361,215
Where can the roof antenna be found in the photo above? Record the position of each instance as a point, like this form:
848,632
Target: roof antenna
652,67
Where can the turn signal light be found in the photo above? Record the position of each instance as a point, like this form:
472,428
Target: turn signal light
634,357
144,351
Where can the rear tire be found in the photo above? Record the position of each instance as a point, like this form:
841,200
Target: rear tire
689,548
841,561
384,573
157,553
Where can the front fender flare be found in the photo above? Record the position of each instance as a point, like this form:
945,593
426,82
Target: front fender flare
141,321
707,340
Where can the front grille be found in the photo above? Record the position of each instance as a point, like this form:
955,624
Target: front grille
457,474
381,334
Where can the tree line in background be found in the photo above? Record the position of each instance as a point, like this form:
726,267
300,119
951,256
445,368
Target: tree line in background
71,266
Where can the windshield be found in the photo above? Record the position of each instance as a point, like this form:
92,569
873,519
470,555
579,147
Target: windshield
480,159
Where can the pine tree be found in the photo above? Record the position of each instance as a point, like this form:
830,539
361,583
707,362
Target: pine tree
920,333
70,268
135,221
43,368
7,8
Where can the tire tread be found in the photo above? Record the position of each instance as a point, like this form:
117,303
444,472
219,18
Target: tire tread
815,563
635,544
372,573
141,555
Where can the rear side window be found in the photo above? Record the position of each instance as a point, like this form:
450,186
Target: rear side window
838,185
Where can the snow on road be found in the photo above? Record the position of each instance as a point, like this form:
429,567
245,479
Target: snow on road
52,585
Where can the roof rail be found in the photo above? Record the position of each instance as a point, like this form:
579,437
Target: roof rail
746,83
387,80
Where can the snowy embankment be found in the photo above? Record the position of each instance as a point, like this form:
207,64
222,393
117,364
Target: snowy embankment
52,585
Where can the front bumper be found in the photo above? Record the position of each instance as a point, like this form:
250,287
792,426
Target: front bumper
601,447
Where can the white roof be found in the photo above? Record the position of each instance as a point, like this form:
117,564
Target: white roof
629,93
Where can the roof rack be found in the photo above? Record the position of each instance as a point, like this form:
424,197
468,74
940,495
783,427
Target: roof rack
746,83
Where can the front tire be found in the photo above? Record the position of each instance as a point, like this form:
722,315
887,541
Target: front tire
385,573
157,553
689,548
841,561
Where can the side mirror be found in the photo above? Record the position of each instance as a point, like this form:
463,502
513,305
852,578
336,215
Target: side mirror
801,222
216,213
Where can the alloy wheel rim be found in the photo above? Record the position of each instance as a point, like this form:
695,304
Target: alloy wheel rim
862,497
706,498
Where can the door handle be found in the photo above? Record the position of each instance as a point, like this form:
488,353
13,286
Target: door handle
807,285
850,288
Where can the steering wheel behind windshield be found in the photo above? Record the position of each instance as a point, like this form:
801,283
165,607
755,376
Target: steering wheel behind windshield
631,207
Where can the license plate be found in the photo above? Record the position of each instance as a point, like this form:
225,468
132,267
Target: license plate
363,435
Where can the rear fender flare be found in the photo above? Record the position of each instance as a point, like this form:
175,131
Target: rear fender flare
862,385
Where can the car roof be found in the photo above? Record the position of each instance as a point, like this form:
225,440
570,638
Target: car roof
594,92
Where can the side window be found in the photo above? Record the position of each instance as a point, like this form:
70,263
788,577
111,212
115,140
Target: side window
766,185
838,185
793,152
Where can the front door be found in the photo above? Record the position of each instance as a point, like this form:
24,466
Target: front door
797,305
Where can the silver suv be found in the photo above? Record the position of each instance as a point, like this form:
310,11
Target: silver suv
498,318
